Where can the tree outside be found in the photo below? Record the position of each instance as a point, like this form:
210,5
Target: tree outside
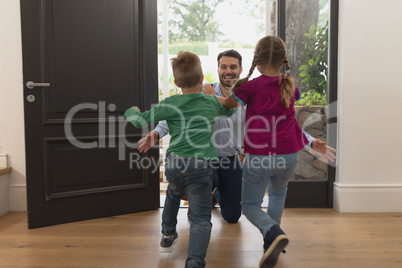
300,15
194,21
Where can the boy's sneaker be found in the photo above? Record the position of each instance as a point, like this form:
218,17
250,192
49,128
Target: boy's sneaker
274,243
167,242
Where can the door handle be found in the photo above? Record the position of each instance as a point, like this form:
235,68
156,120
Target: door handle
32,85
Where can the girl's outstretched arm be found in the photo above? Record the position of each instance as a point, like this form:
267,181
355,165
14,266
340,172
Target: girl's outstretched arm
229,102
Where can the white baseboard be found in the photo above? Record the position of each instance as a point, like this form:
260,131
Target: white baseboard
4,200
18,197
367,198
347,198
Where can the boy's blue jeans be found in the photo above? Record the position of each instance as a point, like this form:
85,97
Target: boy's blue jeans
260,172
193,177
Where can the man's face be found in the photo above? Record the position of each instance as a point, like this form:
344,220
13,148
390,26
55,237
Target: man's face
228,70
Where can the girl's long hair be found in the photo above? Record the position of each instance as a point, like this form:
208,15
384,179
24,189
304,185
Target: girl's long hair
271,51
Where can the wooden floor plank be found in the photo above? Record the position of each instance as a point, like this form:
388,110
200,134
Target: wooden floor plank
318,238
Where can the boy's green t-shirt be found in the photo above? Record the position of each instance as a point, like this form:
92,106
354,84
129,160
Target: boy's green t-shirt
190,118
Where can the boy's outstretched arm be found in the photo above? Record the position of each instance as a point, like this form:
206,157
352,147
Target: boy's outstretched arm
133,115
136,107
146,118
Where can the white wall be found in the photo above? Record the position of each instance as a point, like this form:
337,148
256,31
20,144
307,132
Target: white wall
370,60
11,103
370,63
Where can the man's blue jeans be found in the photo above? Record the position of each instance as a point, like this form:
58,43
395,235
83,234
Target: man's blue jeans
193,177
227,177
260,172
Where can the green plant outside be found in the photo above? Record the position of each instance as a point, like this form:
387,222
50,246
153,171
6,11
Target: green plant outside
315,69
210,77
311,97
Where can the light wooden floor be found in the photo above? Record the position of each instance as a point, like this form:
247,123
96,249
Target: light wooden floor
318,238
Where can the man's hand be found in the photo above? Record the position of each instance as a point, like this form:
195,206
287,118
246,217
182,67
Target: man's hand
208,90
148,141
323,151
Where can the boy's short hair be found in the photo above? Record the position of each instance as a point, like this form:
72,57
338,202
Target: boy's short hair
187,70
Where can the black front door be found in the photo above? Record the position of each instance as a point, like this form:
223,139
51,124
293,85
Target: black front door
99,58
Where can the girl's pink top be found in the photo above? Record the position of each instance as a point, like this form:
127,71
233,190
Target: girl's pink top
270,127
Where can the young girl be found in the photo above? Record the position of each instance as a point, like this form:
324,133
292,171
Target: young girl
272,140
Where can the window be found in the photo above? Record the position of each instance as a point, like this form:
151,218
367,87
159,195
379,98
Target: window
208,28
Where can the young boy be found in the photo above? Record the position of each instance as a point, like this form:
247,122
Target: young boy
190,118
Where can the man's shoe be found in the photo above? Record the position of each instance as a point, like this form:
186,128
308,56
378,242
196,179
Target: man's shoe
275,242
167,242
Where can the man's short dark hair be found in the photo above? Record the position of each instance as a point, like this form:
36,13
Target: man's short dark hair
230,53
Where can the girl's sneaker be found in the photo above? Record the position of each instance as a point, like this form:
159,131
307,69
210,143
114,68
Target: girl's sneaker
167,242
275,242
